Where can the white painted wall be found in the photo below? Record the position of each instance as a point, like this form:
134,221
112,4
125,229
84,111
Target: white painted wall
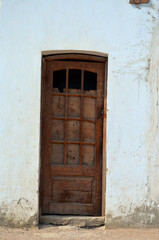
129,34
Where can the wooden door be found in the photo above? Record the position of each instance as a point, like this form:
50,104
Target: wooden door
72,105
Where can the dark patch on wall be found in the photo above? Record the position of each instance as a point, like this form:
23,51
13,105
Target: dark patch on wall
17,214
143,217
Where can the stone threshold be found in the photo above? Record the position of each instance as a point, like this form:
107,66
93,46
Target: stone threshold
79,221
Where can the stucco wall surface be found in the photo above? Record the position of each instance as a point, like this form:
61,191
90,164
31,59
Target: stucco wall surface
129,34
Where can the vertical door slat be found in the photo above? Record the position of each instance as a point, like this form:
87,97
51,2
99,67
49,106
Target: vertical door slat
66,113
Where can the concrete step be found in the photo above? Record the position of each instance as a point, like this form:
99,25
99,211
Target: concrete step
80,221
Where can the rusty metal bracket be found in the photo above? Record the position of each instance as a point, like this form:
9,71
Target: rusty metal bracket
138,1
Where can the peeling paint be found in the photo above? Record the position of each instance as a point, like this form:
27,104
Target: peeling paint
144,216
18,213
152,139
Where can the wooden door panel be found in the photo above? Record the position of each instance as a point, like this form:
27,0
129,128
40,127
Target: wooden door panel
88,155
89,108
72,189
74,107
89,132
57,153
73,154
58,129
72,138
73,130
58,106
71,208
65,196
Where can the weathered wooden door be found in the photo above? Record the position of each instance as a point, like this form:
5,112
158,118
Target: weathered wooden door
72,105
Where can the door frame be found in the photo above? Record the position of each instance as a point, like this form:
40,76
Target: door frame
86,58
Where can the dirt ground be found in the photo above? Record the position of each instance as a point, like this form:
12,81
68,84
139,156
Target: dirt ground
74,233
